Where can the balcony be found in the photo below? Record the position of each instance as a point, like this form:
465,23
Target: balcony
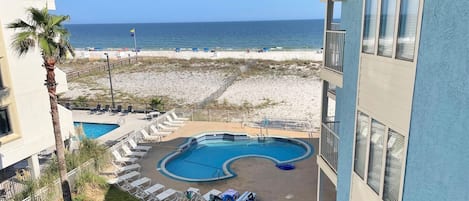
334,51
330,143
334,41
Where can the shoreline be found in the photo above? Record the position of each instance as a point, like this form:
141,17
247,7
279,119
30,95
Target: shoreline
276,55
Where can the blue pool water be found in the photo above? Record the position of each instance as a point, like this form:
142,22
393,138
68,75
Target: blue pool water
209,159
95,130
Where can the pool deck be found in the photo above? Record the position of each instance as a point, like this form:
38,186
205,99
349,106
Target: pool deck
253,174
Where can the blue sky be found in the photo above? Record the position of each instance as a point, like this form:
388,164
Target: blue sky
134,11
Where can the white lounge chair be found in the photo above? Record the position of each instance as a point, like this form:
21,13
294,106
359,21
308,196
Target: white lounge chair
126,177
247,196
152,190
137,183
173,114
126,169
214,192
130,153
171,120
167,128
165,195
149,137
134,146
122,160
155,131
167,123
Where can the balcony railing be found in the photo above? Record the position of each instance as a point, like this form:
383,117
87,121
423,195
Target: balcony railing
334,51
330,143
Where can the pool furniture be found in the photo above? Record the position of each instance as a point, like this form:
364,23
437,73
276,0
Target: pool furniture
247,196
152,114
149,137
125,177
137,183
213,192
166,194
195,49
118,109
155,131
96,109
230,193
142,193
122,160
107,108
134,146
177,49
130,153
129,110
126,169
166,128
175,117
171,120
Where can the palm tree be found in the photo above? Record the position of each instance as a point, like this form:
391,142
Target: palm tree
46,31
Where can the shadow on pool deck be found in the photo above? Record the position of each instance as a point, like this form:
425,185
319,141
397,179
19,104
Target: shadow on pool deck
253,174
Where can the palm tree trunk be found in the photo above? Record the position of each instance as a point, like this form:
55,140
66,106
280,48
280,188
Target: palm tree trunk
51,88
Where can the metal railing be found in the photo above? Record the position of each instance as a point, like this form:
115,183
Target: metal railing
330,143
334,50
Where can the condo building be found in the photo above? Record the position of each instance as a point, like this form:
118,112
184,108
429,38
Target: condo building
25,119
396,73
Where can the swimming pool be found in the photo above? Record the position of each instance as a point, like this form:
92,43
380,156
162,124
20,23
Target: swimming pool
95,130
207,157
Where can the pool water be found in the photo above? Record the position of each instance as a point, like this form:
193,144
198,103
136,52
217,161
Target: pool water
95,130
208,160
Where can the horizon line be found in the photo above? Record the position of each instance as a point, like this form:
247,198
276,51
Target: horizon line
193,21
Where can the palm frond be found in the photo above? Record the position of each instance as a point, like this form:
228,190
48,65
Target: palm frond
20,24
44,30
38,17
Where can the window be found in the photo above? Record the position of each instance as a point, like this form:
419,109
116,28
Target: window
394,161
386,27
5,127
361,144
385,149
370,26
378,131
408,19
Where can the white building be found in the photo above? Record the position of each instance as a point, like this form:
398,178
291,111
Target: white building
25,120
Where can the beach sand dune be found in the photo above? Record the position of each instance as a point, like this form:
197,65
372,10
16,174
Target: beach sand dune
284,91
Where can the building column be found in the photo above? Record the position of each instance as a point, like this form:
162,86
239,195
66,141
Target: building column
34,168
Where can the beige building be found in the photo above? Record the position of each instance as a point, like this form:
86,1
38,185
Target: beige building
25,120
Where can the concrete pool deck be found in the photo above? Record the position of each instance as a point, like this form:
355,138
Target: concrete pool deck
253,174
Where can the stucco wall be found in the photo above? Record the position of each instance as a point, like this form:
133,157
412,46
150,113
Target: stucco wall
438,157
27,86
346,97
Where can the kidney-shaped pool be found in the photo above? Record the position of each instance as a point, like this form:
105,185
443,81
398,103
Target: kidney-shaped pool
207,157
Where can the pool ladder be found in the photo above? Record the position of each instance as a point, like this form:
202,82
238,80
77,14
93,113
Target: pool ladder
218,174
261,134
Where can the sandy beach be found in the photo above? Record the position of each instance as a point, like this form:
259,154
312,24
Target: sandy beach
270,55
286,89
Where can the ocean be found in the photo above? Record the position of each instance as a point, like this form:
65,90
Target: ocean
276,35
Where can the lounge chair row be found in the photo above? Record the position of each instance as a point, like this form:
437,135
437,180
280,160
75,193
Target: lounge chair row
159,130
107,108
